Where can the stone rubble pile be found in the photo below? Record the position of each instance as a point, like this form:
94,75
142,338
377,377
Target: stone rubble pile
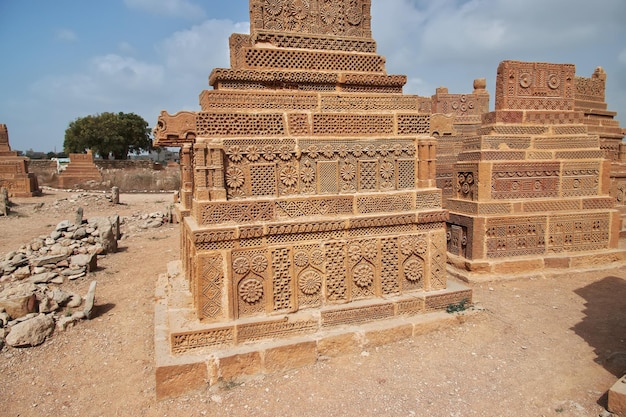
32,302
32,299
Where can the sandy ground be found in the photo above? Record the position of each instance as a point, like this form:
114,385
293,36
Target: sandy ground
543,347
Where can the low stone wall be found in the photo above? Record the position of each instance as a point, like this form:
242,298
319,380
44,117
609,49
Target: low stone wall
128,175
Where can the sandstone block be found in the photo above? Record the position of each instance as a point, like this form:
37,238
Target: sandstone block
177,379
617,397
291,356
337,345
233,366
19,306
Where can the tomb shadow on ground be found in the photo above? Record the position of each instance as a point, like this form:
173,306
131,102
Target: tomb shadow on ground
604,324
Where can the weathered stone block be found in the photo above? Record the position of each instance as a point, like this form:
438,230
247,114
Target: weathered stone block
617,397
174,380
290,356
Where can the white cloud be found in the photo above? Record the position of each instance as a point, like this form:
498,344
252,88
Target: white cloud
173,8
66,35
201,48
127,73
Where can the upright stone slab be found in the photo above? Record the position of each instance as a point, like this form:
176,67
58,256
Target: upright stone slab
531,189
308,185
14,175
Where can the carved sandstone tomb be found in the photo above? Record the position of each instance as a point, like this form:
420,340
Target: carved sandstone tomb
308,194
590,99
80,169
453,117
532,187
14,175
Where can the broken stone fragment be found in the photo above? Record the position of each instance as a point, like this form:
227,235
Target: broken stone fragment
43,278
48,305
21,273
31,332
64,225
19,305
52,259
75,301
90,261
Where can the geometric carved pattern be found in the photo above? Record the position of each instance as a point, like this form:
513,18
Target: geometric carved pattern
368,175
282,281
389,266
328,177
236,124
515,236
350,125
375,204
211,279
336,285
222,212
579,233
438,261
406,173
525,180
263,179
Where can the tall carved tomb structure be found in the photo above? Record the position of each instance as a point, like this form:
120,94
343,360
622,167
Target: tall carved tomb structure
532,188
590,99
308,195
14,175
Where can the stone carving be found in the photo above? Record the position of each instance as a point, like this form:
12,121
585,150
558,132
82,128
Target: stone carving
14,175
308,183
534,155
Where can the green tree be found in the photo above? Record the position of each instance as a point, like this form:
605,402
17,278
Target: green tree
108,134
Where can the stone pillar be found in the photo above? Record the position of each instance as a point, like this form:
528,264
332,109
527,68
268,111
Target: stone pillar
79,216
115,195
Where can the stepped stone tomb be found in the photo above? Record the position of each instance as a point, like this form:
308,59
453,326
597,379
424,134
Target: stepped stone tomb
531,188
308,204
14,175
80,169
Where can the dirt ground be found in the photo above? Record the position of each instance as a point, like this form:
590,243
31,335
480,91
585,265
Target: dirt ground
542,347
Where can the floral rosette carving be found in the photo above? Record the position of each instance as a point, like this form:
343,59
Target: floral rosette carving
284,152
299,9
387,170
317,257
301,259
269,152
241,265
354,13
273,7
348,172
313,152
329,12
354,252
251,290
235,153
363,275
414,270
370,250
253,153
234,177
307,173
310,283
289,175
259,264
410,246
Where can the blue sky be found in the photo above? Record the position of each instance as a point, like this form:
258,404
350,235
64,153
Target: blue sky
64,59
